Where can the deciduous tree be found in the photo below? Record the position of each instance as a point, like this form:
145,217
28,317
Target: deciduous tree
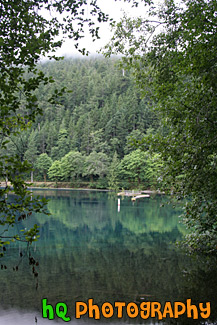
133,167
43,163
173,56
54,172
96,164
72,165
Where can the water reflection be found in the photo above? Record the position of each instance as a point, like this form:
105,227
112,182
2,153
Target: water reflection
88,249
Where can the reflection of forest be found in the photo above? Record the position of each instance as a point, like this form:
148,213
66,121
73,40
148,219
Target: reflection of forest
89,250
96,211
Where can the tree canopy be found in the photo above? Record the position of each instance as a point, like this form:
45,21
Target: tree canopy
82,134
172,54
29,30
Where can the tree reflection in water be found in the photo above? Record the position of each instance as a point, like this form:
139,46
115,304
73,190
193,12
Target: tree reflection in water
88,249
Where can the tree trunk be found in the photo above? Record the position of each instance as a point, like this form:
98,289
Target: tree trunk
32,176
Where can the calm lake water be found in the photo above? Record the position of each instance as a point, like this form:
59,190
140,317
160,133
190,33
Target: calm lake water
87,249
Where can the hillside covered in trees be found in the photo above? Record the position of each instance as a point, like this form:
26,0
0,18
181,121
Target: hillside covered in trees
87,136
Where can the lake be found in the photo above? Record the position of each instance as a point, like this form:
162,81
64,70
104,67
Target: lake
90,250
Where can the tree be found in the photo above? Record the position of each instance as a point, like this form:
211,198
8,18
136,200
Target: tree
26,36
54,172
72,165
31,152
112,176
134,136
43,163
176,67
153,172
96,141
96,164
62,145
133,167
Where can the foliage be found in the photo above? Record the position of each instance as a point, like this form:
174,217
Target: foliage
141,169
96,115
26,36
31,152
134,137
133,166
138,168
54,172
176,68
43,163
96,164
92,118
153,172
116,121
113,173
72,165
62,147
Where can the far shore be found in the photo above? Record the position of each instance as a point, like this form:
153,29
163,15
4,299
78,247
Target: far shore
65,186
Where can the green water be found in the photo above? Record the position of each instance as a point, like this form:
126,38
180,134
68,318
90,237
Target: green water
89,249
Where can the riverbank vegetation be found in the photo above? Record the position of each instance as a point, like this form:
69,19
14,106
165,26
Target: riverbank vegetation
88,136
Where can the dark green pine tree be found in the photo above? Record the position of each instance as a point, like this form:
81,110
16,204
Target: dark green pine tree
62,146
31,152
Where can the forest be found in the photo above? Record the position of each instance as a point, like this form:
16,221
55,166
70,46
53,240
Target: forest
90,136
86,123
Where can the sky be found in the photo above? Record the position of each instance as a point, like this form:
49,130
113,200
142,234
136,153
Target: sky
115,9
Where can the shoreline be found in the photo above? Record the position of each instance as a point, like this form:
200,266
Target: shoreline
51,186
68,189
46,186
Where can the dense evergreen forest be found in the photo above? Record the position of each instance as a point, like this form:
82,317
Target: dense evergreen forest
86,137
